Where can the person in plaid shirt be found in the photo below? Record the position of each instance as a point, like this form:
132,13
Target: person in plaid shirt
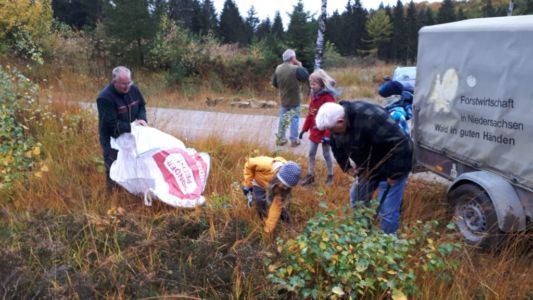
381,150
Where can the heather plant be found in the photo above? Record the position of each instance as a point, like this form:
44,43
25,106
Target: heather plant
339,255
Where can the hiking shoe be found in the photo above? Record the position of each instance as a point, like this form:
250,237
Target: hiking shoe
329,180
295,143
308,180
281,142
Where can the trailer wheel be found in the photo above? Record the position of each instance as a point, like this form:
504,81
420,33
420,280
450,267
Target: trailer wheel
475,216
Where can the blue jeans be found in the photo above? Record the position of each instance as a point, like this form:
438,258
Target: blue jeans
389,214
282,127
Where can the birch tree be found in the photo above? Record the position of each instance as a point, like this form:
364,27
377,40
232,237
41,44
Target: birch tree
319,51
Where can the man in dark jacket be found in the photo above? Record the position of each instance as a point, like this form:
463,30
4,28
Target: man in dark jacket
381,150
119,104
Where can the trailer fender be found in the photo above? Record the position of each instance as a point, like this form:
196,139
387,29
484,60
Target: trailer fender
509,210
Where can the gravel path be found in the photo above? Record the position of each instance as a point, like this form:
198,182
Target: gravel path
188,125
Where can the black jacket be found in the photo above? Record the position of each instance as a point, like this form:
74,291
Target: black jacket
373,140
116,111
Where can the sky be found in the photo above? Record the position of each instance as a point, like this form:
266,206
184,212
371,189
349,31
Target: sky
268,8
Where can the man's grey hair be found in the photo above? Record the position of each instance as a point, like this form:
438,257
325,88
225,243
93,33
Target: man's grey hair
328,115
288,55
120,70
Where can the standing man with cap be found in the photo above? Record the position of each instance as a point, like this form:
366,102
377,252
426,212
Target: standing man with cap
381,150
270,180
287,79
119,104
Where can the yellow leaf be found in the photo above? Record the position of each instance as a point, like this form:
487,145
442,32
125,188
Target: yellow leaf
44,168
398,295
430,241
392,272
27,154
289,270
111,211
38,174
36,151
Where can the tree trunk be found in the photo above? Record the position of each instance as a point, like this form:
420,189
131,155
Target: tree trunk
319,52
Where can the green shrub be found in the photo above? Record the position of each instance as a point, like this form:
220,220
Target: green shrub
19,151
339,255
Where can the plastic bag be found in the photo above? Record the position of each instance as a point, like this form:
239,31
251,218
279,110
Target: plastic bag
155,164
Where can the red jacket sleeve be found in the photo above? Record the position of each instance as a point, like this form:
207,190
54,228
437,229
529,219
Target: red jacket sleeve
308,119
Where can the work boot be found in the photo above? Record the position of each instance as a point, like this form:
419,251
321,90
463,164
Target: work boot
329,180
308,180
295,143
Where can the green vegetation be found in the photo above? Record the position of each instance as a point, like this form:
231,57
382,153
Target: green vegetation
339,255
20,153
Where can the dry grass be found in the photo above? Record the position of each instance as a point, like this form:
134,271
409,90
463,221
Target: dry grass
66,84
64,237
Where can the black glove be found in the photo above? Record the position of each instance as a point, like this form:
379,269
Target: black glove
325,140
301,135
246,190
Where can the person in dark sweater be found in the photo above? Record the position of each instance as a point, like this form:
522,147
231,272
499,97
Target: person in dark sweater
119,104
381,150
287,78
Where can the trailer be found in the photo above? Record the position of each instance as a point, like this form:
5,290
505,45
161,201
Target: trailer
473,121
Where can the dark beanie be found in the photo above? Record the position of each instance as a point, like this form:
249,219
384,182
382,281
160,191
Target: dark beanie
390,88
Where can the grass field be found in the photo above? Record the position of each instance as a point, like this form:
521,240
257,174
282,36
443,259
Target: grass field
63,236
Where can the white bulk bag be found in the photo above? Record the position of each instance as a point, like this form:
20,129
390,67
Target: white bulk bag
153,163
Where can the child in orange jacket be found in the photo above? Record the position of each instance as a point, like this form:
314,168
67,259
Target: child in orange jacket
270,180
322,91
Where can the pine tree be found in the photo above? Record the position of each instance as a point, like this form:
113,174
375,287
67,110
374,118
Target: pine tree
412,27
231,26
185,13
488,10
78,13
461,14
334,33
132,27
353,28
251,23
526,8
300,35
446,12
207,18
429,18
399,36
385,51
264,29
277,27
380,30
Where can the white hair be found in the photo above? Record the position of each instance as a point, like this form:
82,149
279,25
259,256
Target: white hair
328,115
288,55
120,70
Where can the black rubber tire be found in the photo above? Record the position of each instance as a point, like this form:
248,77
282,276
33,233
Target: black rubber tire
475,217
